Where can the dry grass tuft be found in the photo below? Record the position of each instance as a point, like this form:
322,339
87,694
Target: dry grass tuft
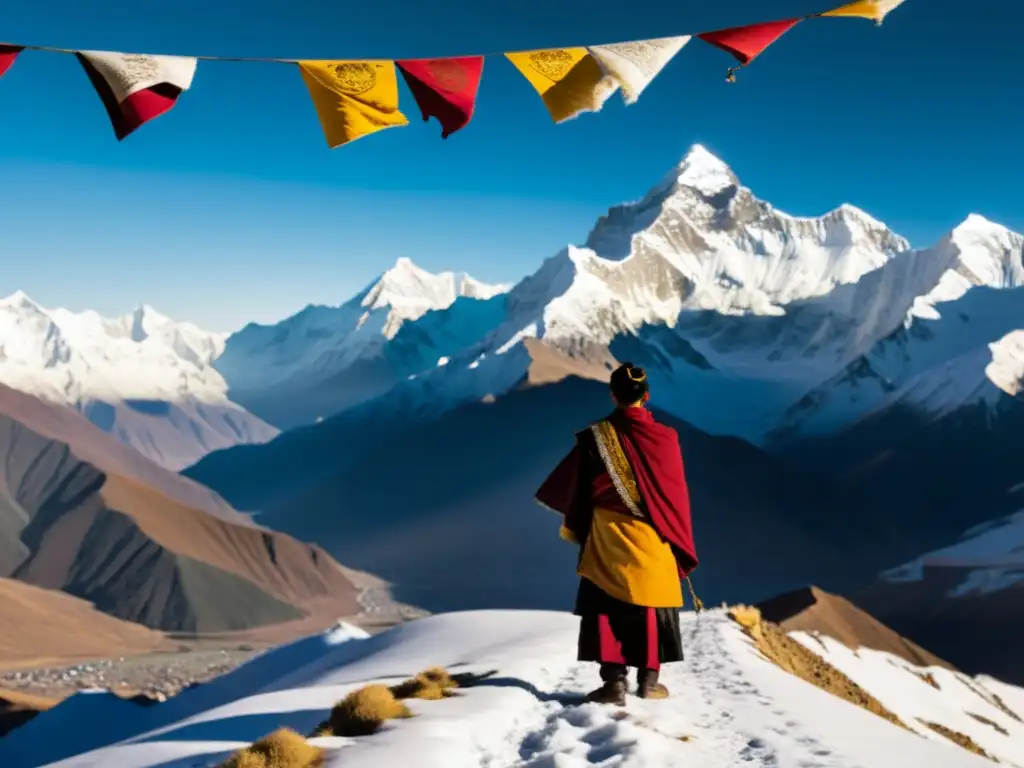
990,697
747,616
364,711
986,721
960,739
788,654
431,684
1002,706
929,678
283,748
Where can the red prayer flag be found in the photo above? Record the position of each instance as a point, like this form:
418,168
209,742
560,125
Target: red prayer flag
444,88
136,88
8,53
745,43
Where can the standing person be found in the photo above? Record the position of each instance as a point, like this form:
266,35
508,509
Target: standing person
623,495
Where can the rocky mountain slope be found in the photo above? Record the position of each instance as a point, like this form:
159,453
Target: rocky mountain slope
143,378
819,613
140,554
108,454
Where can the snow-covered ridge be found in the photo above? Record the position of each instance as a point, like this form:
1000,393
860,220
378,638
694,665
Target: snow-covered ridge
990,558
958,343
409,292
729,707
74,357
973,707
741,253
322,340
751,321
325,359
740,310
1006,371
142,377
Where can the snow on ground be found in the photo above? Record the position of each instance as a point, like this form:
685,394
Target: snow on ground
730,705
920,695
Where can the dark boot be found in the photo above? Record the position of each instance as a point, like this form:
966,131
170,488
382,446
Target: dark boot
647,685
614,689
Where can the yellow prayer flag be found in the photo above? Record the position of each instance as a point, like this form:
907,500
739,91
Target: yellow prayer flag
569,80
353,98
866,9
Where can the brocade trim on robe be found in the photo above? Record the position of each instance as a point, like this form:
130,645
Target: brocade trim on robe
617,466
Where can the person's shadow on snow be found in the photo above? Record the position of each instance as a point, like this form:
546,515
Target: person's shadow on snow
488,681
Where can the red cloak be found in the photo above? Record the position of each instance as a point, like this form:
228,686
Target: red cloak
654,455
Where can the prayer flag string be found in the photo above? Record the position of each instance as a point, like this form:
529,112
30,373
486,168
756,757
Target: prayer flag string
354,98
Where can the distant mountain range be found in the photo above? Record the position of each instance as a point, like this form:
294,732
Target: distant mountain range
143,378
752,322
846,403
325,359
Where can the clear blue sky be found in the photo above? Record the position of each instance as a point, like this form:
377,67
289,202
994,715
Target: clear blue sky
231,207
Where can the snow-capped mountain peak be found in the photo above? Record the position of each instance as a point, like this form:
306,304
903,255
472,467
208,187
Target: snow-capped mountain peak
19,299
317,346
747,309
409,292
740,253
989,253
142,355
958,344
1006,370
190,342
704,172
145,321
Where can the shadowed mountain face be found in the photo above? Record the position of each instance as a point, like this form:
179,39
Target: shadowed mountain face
107,453
445,509
140,555
932,478
929,480
978,630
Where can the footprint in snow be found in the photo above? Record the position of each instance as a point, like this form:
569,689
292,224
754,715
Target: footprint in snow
758,752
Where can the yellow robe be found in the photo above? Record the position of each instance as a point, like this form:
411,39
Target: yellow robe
624,555
628,560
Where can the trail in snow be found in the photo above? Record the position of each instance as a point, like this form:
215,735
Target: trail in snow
729,707
700,725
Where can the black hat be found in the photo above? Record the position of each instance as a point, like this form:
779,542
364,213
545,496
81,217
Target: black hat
629,384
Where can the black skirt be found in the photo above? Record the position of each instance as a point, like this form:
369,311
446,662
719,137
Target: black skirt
615,632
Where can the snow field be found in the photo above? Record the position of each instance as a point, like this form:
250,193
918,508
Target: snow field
730,707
